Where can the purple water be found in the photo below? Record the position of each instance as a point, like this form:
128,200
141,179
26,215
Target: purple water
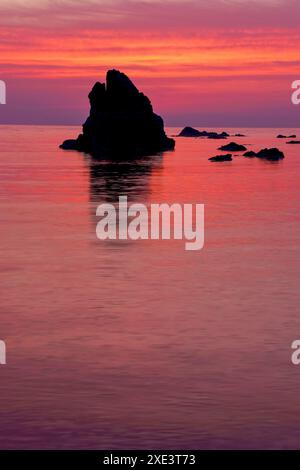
141,344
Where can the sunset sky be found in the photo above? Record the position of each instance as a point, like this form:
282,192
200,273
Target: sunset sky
205,63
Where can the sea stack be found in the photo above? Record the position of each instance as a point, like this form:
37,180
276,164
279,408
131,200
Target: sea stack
121,122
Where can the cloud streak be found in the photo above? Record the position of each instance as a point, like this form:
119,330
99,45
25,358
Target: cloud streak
143,15
187,55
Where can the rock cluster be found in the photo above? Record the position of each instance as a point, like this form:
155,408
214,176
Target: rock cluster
191,132
280,136
272,154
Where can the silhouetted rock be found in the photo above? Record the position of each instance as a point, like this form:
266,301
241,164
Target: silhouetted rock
294,142
267,154
215,135
270,154
239,135
221,158
70,144
189,132
280,136
233,147
121,122
250,154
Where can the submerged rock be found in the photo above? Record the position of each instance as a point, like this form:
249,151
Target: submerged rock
233,147
270,154
239,135
294,142
121,122
221,158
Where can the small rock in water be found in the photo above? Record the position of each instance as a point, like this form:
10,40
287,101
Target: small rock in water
294,142
70,144
270,154
215,135
239,135
189,132
221,158
233,147
250,154
280,136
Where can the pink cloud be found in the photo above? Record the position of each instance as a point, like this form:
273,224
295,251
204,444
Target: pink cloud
193,58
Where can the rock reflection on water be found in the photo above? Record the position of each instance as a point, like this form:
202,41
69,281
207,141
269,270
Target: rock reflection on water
109,180
131,178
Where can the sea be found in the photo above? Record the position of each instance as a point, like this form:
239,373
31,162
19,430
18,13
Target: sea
141,344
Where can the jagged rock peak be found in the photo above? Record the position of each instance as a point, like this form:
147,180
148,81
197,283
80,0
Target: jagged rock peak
118,94
121,122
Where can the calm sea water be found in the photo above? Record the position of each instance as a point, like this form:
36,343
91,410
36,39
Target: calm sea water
141,344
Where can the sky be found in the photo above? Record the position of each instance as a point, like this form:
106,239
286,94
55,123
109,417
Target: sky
203,63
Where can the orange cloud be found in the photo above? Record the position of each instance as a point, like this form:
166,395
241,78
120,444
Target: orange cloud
183,68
